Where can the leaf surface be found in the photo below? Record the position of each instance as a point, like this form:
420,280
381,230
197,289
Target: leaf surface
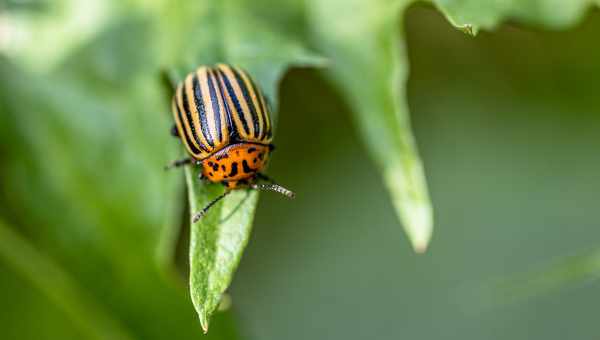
370,69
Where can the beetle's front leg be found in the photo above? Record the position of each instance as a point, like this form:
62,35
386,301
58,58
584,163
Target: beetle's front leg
169,79
174,131
178,163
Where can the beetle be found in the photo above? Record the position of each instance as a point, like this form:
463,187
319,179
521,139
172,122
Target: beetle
223,120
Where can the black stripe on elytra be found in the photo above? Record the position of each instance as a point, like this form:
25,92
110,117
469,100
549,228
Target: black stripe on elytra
269,108
263,112
246,168
186,137
248,101
234,169
236,102
215,103
201,111
189,120
234,136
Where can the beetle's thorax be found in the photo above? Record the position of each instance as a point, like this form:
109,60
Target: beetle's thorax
236,163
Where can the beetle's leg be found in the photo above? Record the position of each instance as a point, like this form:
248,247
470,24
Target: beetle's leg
201,213
174,131
178,163
168,79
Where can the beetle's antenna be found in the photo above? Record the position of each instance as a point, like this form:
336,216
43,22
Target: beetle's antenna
274,187
202,212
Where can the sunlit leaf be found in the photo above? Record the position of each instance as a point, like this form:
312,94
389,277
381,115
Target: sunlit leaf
217,242
63,26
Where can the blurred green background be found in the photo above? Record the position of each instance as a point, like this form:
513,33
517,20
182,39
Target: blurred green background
507,126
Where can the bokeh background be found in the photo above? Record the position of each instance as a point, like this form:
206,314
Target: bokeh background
507,125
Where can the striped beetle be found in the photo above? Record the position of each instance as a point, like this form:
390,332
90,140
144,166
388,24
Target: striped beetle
223,120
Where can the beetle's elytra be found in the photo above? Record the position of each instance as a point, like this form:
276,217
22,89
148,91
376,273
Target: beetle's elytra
223,120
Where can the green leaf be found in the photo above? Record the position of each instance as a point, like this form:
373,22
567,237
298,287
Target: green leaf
226,31
370,67
43,274
83,143
517,288
471,15
63,26
217,241
88,142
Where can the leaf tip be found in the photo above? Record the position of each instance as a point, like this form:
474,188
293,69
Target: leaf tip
409,195
420,227
420,247
468,29
204,321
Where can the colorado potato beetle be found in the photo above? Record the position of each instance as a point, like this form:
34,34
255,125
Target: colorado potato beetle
223,120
